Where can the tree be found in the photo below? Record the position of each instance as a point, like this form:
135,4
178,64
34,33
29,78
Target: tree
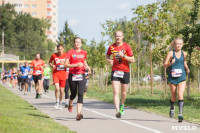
191,36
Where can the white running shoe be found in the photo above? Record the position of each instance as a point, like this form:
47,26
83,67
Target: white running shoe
56,105
60,107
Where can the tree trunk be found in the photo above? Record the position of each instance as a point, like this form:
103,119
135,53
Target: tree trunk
188,85
161,77
199,79
93,77
130,79
106,78
145,77
151,68
165,82
138,58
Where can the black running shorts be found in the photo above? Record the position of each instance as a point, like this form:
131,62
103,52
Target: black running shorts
124,80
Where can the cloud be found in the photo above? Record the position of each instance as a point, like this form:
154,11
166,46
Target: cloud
123,6
74,22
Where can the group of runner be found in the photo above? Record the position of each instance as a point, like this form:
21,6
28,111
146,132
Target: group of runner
70,71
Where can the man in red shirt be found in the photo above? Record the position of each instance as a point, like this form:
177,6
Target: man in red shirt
122,56
59,74
37,65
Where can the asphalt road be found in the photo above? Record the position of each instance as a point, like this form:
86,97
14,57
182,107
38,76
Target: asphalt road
99,117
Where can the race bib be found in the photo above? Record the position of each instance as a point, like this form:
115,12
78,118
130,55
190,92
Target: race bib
38,72
77,77
119,74
176,72
29,76
60,67
26,73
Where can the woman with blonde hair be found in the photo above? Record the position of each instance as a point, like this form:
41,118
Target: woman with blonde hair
176,60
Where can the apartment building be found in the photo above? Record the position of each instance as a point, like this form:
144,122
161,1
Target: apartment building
39,9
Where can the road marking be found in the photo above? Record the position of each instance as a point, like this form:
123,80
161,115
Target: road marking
124,121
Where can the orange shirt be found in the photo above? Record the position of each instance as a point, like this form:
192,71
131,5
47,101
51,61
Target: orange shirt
59,67
36,64
119,63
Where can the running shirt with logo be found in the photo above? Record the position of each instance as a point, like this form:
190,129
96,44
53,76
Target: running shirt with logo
59,69
37,70
74,58
120,63
25,71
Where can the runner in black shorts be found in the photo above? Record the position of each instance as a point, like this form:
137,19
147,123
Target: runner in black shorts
122,56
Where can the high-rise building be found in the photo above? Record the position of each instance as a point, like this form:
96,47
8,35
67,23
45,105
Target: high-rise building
39,9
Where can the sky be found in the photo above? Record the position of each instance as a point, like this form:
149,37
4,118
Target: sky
86,16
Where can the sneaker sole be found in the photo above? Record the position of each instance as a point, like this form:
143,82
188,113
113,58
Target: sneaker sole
118,115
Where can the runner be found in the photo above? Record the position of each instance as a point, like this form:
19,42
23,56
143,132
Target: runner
122,55
25,70
5,76
46,77
87,72
67,89
14,77
37,65
19,78
76,61
176,61
30,79
59,74
10,77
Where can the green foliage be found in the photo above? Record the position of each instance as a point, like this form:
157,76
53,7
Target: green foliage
24,35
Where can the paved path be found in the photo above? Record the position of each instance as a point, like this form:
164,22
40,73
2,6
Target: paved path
99,117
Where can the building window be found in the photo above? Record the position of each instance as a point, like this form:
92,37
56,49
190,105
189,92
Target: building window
54,14
54,28
48,13
33,5
26,6
48,5
33,14
54,21
54,36
54,6
33,0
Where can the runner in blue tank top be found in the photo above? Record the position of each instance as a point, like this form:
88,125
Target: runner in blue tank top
176,60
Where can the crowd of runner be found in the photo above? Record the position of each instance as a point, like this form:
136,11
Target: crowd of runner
70,71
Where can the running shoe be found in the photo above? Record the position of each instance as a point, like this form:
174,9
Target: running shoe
66,105
79,117
121,109
84,96
118,115
24,93
56,105
39,96
171,113
180,118
60,107
36,96
70,107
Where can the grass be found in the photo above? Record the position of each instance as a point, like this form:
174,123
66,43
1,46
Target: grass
158,103
18,116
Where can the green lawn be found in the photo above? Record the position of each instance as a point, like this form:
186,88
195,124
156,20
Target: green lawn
18,116
158,103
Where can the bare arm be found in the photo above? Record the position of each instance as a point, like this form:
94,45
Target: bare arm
87,67
167,62
110,61
128,58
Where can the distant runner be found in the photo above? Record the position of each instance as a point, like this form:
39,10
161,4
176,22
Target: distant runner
46,77
122,56
25,70
37,65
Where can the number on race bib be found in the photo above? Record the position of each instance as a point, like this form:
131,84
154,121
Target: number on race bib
77,77
38,72
176,72
60,67
118,74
